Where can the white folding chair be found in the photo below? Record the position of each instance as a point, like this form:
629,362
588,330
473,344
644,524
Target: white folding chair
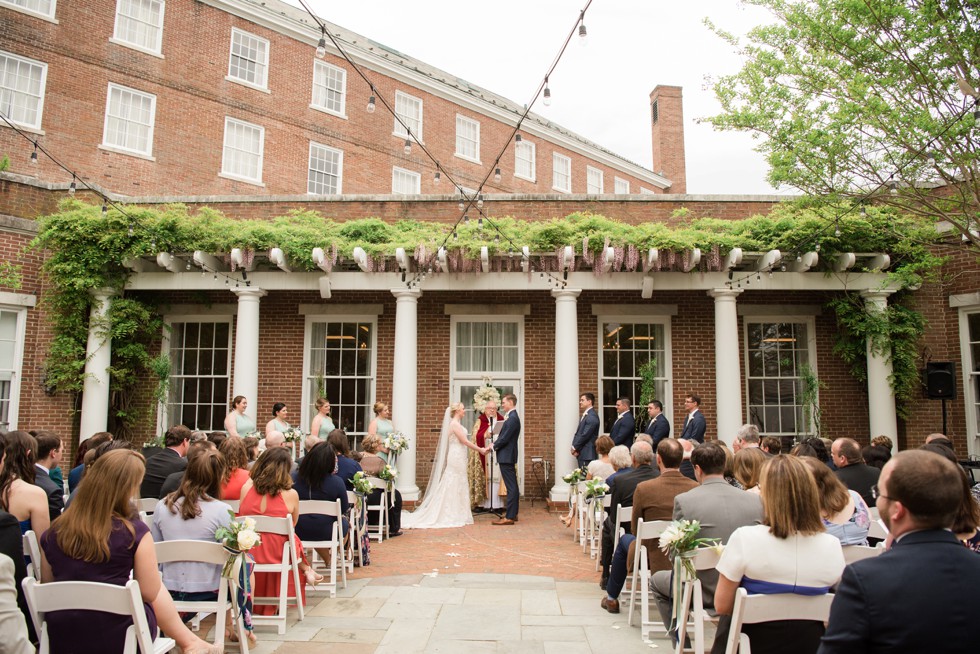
379,531
210,553
692,601
640,580
234,504
356,532
147,505
623,514
335,544
287,566
877,530
582,519
91,596
33,550
597,519
854,553
753,609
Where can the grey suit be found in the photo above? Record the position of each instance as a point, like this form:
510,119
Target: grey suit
721,509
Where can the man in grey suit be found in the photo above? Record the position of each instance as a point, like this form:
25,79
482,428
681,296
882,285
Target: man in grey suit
721,509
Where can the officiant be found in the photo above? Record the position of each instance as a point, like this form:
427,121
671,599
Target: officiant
482,433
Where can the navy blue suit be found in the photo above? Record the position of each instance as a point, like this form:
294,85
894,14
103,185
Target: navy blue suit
623,430
505,446
658,429
916,597
694,427
584,440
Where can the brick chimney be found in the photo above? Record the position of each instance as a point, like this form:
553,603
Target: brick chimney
667,118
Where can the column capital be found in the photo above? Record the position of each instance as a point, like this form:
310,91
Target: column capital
724,293
249,292
876,296
104,293
406,293
566,293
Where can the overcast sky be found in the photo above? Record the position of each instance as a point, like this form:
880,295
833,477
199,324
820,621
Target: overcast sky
601,90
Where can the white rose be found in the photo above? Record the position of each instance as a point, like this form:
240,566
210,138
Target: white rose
249,523
247,539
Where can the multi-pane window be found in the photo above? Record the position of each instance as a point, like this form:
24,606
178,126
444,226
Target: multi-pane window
341,369
973,357
140,23
594,181
129,117
561,179
409,110
40,7
326,165
329,88
405,182
778,354
467,138
626,349
249,60
200,360
491,347
622,186
524,160
22,89
11,350
243,147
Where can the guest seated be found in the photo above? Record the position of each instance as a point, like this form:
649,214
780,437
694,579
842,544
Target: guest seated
372,463
876,456
621,460
601,467
18,494
883,441
346,465
771,445
236,471
967,521
729,473
98,538
315,480
92,456
748,467
251,444
844,513
789,553
822,451
173,480
171,459
217,437
269,492
75,475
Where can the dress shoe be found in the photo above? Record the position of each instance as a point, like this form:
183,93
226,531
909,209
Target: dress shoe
603,582
610,605
502,522
394,534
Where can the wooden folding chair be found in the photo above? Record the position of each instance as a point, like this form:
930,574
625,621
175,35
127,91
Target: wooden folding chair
640,580
692,601
211,553
32,550
90,596
753,609
287,566
335,544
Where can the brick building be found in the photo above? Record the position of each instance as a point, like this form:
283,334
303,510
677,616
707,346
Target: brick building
100,70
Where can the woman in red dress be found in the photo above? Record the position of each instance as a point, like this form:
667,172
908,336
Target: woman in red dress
269,492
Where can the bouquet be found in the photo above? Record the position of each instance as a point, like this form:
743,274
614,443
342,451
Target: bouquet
389,473
396,442
258,435
575,476
596,488
484,394
681,537
362,485
294,435
238,538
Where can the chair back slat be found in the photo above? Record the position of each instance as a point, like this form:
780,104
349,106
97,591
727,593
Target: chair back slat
321,507
198,551
753,609
33,550
265,524
147,504
652,529
877,530
234,504
854,553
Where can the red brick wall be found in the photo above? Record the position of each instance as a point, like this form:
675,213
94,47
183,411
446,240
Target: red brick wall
668,136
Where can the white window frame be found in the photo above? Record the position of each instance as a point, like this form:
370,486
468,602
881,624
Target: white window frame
4,91
645,191
340,168
968,368
532,160
811,330
20,333
325,68
22,6
263,83
593,174
156,48
115,147
464,123
619,182
232,175
341,317
556,160
638,411
395,170
163,412
414,123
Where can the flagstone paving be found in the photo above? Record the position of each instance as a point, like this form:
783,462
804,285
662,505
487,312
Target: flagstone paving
525,588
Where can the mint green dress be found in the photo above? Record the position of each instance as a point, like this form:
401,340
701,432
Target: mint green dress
279,425
326,426
384,427
244,424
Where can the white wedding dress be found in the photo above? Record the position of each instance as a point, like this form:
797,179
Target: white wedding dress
447,498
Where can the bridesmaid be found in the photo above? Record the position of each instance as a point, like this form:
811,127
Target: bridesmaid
322,424
278,422
236,422
381,426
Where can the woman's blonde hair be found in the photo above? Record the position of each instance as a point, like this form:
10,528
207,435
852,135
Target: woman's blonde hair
320,401
747,466
456,406
83,530
270,474
371,443
833,493
790,497
379,408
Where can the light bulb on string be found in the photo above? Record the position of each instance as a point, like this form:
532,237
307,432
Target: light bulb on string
437,178
479,223
187,266
321,47
105,207
408,146
466,219
547,93
72,187
496,175
370,105
461,205
479,201
131,230
893,187
518,138
34,155
583,34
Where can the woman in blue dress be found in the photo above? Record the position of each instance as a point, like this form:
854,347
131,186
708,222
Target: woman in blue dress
236,422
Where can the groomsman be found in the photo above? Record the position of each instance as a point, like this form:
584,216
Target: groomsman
659,427
694,425
583,443
624,429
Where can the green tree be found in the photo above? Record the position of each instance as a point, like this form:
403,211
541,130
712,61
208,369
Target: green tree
854,96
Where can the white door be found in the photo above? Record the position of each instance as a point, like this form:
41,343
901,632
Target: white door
463,390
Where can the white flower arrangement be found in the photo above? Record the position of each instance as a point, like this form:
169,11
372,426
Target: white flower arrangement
294,435
575,476
362,485
681,537
596,488
396,442
389,473
238,538
484,394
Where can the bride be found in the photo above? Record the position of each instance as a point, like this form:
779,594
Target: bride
447,497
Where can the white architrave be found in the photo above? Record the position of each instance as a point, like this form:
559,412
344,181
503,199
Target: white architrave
566,386
246,380
881,399
728,370
404,387
98,355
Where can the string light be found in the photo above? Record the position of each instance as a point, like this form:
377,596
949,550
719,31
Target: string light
547,93
893,187
34,155
582,33
518,138
408,146
479,201
438,177
370,105
72,187
321,47
496,175
105,207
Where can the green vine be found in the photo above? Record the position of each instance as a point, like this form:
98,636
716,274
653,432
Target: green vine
809,387
648,381
10,275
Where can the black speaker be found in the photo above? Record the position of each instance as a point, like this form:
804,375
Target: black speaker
941,380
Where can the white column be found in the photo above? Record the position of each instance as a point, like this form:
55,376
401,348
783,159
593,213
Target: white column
566,386
728,369
246,380
404,385
881,399
98,355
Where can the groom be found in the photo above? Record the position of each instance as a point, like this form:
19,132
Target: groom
505,446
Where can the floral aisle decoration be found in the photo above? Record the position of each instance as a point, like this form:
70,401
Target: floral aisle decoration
575,476
362,488
596,488
679,541
389,473
238,538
